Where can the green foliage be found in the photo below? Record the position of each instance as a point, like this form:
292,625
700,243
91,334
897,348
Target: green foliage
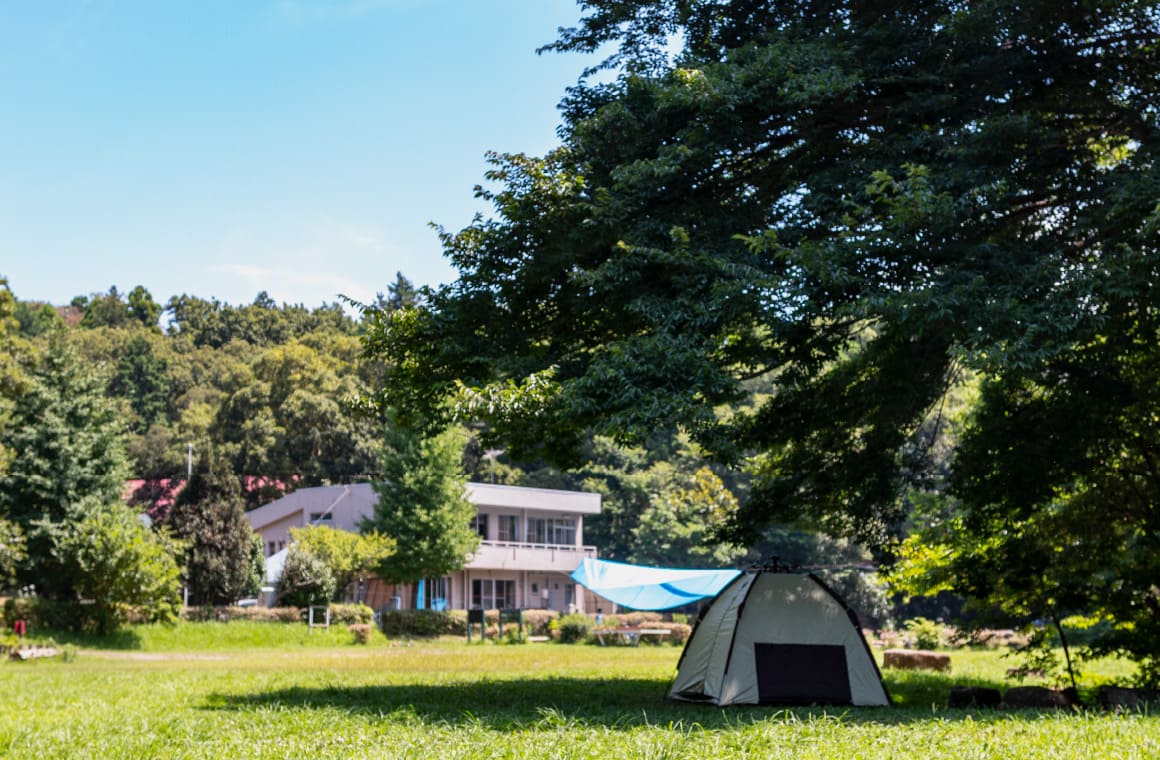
927,634
678,529
265,386
1048,512
66,445
423,623
574,628
351,613
143,308
41,613
9,367
215,324
285,416
36,319
401,294
539,622
209,518
116,563
253,613
635,484
12,551
349,556
105,310
423,506
142,378
66,441
343,614
306,579
769,203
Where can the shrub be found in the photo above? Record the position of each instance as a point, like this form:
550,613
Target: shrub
44,613
573,628
633,619
350,614
271,614
539,622
361,632
306,579
511,634
927,633
678,632
256,614
422,623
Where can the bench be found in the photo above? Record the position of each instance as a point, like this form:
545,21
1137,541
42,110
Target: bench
628,635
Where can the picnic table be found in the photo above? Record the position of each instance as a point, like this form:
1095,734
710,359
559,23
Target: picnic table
628,635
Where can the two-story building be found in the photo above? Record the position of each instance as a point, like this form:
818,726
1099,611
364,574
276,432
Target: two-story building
531,541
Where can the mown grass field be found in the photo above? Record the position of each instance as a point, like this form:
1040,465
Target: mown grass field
242,690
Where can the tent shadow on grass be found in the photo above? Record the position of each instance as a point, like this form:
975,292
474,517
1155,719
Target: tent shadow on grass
614,703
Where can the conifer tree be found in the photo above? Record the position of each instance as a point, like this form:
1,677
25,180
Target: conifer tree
423,506
209,516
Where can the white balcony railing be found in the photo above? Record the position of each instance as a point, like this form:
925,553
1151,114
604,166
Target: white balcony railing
512,555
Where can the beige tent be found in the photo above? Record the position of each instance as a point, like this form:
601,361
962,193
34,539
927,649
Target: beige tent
778,638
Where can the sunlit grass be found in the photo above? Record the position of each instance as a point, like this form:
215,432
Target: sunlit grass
215,698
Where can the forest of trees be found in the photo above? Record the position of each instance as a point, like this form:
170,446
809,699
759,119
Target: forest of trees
256,400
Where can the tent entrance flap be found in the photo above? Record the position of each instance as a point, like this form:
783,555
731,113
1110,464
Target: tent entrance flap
793,673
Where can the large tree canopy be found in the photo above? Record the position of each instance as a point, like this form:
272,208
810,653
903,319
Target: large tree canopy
853,199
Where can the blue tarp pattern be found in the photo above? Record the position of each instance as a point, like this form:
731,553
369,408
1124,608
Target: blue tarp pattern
640,587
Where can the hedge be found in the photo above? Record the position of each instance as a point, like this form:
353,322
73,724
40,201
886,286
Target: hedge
430,623
340,614
423,623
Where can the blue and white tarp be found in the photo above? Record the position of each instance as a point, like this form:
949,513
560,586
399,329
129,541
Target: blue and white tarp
640,587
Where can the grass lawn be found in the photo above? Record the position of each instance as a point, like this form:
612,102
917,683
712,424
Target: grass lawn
238,691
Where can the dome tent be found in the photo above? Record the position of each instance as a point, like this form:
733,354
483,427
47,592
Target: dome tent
773,637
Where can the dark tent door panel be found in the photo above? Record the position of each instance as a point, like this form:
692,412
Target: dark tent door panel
802,673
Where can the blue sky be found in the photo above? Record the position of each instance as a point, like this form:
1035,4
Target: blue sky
220,147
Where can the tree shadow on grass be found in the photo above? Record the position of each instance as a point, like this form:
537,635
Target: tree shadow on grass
119,640
614,703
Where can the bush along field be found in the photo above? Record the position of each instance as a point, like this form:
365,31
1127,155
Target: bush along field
248,689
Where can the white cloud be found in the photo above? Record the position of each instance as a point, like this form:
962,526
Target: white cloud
310,262
292,285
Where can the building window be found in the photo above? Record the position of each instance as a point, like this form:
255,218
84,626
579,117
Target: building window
437,593
271,548
491,594
479,524
552,530
321,517
507,528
